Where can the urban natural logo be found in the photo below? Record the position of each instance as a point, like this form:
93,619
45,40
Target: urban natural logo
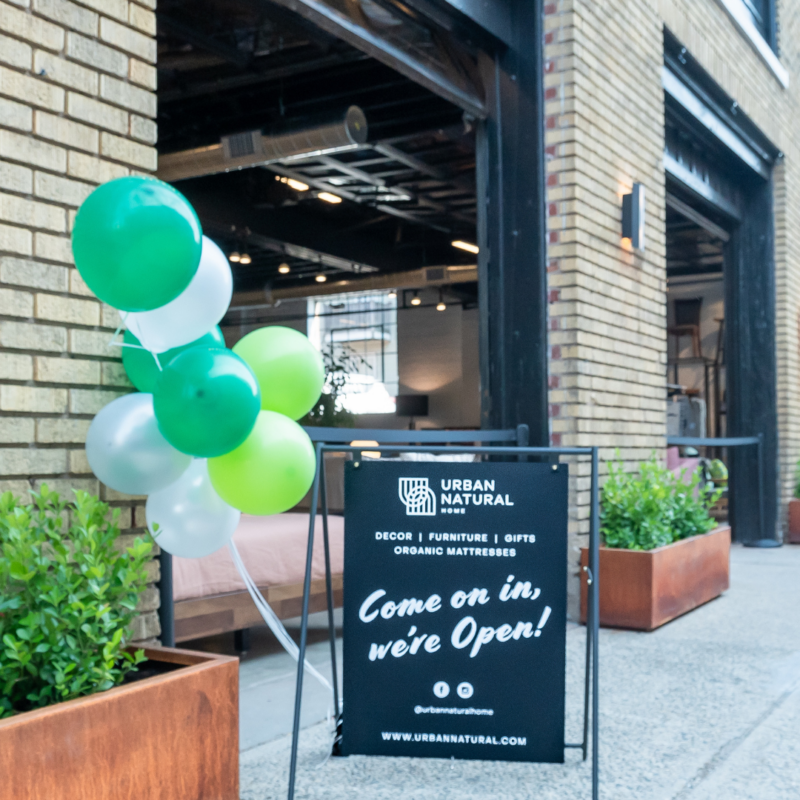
417,497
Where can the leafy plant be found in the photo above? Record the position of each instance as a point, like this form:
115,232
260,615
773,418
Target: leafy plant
67,598
329,411
654,507
797,481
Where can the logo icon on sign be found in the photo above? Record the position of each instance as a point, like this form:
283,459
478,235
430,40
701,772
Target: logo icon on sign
417,497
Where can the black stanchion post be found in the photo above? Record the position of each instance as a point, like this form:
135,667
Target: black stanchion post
329,584
166,611
298,697
594,610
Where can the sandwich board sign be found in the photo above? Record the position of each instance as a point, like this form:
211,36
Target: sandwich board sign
455,610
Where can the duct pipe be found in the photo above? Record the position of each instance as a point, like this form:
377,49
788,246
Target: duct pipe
254,149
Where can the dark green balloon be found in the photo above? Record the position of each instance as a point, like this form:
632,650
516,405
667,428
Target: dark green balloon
206,401
137,243
141,365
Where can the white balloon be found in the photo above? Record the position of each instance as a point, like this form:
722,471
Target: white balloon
194,312
193,520
126,450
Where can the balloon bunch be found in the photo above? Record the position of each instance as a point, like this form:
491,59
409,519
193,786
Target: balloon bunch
211,433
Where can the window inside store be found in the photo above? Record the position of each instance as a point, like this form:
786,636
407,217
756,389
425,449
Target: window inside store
357,335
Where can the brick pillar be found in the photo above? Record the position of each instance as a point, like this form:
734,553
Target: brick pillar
77,108
604,130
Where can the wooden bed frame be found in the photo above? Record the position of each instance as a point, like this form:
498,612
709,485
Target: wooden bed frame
235,611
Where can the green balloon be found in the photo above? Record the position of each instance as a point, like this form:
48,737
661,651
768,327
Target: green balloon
206,401
270,472
137,243
289,369
141,364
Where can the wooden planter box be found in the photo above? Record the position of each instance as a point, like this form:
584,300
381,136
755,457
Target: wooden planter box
643,589
794,521
174,736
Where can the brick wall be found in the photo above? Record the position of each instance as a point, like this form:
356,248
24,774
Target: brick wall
77,105
604,131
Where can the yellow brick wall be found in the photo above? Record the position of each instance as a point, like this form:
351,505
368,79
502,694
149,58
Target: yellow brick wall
604,131
77,107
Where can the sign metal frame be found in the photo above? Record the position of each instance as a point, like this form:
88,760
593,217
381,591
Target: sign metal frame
319,499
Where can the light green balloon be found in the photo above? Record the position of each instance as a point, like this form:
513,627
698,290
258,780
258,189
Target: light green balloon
137,243
141,367
270,472
288,367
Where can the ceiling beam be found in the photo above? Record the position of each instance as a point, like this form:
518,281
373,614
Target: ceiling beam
441,80
414,279
228,210
194,37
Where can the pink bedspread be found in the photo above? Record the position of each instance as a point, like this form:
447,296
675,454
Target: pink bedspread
272,548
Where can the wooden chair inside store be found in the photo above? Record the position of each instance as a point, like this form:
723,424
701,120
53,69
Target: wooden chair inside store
687,323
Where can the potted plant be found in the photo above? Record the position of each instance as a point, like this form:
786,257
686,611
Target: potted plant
663,554
82,714
794,509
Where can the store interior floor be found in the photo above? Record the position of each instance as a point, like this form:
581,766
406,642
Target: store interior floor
706,707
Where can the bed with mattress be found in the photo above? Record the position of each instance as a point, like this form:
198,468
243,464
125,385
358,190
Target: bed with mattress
210,596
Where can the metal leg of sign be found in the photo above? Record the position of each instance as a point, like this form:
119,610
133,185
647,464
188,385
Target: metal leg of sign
329,587
301,660
587,686
594,620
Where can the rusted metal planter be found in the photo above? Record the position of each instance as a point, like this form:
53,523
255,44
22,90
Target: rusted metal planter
644,589
174,735
794,521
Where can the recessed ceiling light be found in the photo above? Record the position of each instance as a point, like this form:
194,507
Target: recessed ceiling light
245,258
329,198
298,186
321,278
235,257
468,246
284,269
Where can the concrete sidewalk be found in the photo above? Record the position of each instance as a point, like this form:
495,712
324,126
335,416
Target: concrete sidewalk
706,708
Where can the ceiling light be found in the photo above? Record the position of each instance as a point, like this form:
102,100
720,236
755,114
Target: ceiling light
329,198
415,300
392,295
245,258
321,278
235,257
284,269
440,306
298,186
468,246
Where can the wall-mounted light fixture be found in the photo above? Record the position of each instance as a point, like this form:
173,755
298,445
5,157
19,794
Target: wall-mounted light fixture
633,216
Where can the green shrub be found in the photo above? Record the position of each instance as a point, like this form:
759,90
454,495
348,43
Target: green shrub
654,507
67,598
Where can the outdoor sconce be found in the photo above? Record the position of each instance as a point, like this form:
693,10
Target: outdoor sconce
633,216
